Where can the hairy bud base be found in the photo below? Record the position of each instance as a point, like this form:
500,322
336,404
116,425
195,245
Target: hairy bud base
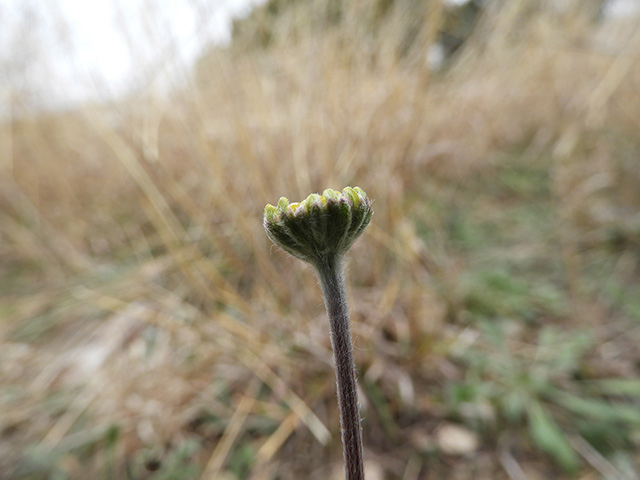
320,225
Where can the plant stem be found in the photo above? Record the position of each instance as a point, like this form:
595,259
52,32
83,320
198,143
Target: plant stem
331,273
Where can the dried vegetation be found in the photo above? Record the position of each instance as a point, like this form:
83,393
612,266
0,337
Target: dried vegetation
149,330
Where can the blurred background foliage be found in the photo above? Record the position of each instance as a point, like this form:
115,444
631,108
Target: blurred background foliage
148,330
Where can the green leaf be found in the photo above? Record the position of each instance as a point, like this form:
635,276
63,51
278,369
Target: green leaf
616,386
599,409
547,435
513,404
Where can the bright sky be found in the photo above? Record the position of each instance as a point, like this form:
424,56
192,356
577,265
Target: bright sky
79,49
72,50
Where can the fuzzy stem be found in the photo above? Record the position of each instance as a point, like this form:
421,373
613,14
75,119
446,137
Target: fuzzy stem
330,271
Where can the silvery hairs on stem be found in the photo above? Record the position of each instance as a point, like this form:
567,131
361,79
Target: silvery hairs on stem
320,230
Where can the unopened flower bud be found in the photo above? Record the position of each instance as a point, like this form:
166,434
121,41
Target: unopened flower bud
319,226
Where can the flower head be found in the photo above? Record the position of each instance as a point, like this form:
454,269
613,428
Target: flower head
320,225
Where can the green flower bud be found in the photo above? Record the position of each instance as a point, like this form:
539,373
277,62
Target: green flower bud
319,226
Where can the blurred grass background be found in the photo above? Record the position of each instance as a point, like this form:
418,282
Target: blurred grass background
148,330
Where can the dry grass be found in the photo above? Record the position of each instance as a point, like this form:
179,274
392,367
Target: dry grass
145,315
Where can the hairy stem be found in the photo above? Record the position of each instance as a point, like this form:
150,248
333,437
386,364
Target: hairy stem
330,271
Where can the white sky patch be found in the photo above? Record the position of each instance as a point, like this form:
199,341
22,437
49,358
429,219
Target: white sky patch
622,8
99,53
81,50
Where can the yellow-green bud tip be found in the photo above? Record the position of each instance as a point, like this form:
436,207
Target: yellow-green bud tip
283,203
270,212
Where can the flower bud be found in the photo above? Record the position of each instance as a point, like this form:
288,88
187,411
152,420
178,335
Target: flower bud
319,226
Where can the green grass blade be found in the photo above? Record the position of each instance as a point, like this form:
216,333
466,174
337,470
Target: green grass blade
547,435
616,386
599,409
